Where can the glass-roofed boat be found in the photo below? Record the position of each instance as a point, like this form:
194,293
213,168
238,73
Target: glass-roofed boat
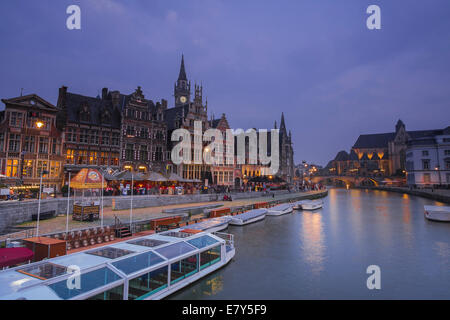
280,209
248,217
149,267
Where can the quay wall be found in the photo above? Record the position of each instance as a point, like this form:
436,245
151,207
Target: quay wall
16,212
437,195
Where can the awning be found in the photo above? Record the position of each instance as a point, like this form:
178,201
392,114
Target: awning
13,256
87,179
155,177
175,177
128,176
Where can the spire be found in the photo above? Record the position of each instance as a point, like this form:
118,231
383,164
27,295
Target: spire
182,75
399,125
275,126
282,124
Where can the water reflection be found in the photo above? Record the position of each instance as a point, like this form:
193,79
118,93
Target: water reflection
213,285
312,239
324,254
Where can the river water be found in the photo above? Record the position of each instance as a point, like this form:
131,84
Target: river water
325,254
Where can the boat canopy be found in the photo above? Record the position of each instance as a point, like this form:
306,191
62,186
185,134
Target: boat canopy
250,214
208,224
281,207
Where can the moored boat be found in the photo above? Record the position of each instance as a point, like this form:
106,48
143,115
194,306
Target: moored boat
210,225
280,209
437,213
298,205
248,217
312,205
144,268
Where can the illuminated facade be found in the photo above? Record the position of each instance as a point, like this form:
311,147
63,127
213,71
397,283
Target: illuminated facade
185,113
92,130
30,141
382,154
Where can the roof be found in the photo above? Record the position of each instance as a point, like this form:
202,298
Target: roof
96,107
379,140
342,156
175,113
31,100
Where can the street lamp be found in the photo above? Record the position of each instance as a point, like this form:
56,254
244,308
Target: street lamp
39,202
39,124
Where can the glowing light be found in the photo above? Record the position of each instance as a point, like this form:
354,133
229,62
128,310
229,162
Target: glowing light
39,124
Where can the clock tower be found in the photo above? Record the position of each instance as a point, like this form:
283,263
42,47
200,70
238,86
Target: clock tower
182,88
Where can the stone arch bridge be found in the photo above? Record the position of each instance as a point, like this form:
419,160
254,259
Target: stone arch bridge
350,181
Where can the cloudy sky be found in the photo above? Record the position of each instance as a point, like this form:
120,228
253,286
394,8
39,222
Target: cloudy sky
315,60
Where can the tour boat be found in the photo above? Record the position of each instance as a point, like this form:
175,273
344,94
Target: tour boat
280,209
312,204
210,225
437,213
248,217
144,268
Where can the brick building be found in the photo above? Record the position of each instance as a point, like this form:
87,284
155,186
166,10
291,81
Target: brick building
91,128
143,133
30,141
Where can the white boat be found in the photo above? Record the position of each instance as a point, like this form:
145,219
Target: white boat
248,217
312,205
145,268
437,213
280,209
210,225
298,205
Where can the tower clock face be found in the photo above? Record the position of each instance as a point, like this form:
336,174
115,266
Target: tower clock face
183,99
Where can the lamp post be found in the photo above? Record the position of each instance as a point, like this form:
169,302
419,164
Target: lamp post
131,206
101,223
68,207
39,202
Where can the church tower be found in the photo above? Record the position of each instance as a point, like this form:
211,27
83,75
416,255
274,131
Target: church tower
182,88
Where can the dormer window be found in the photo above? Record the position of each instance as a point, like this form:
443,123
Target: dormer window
85,114
106,117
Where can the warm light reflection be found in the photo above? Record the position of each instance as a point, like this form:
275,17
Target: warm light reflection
214,286
39,124
313,240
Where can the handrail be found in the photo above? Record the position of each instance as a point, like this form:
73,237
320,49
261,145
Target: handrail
228,237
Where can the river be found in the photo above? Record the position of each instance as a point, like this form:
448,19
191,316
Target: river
325,254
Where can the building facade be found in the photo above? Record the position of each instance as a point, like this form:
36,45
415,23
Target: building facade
428,159
225,174
377,155
143,133
91,128
184,115
30,142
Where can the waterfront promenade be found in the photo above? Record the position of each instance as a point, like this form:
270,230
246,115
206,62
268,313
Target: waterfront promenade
58,224
442,195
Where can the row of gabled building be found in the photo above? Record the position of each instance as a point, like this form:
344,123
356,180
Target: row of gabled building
113,131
